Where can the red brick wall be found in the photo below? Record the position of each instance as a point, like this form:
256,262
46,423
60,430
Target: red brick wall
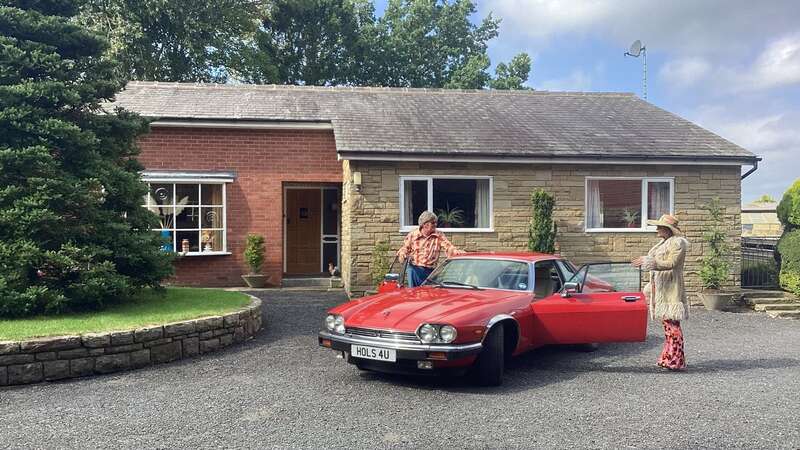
263,160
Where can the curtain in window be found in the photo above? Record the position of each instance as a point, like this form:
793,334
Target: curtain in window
408,208
594,206
482,203
657,199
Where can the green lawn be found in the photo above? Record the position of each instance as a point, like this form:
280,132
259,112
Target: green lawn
150,308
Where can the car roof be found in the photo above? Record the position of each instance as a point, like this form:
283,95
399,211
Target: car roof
516,256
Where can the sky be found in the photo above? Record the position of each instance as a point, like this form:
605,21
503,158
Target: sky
730,66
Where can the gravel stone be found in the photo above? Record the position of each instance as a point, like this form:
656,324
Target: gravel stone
50,344
179,329
74,353
55,370
209,345
166,352
25,373
95,340
122,338
3,376
140,358
148,334
281,390
112,363
16,359
46,356
81,367
191,347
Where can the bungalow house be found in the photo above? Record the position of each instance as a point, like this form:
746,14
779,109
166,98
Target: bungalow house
326,173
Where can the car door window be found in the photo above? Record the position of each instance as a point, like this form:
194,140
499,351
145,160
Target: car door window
547,279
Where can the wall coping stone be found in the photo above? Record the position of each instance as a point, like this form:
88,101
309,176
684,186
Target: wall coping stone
60,357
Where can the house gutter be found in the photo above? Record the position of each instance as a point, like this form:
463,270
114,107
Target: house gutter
752,169
583,159
242,124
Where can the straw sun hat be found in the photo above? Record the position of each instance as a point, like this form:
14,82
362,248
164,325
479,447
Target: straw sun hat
667,220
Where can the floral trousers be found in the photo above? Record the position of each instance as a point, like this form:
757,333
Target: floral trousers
672,356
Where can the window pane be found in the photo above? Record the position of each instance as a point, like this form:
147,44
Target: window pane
186,194
211,240
211,194
415,194
614,204
166,216
658,200
330,211
187,217
212,217
161,194
454,201
188,241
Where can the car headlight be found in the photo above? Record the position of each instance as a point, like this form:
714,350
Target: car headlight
427,333
338,324
447,334
330,322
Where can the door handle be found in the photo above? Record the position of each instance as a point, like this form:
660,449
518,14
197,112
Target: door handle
631,298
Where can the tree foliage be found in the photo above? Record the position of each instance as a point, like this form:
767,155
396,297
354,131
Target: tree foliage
542,231
789,244
254,252
174,40
72,232
513,75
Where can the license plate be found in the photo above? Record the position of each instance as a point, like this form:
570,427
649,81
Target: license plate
378,354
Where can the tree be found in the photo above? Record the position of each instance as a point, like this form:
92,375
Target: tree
766,198
542,231
314,42
72,232
513,75
174,40
788,251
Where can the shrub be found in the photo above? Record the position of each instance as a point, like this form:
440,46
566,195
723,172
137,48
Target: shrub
73,234
715,268
542,230
254,252
381,261
789,207
789,249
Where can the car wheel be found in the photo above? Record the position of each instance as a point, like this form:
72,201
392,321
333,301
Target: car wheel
488,368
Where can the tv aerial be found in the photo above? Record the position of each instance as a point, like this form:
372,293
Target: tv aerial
638,49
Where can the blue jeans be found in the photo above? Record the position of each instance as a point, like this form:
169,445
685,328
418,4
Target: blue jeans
417,274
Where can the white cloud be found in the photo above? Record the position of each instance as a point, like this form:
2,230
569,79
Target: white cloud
578,80
685,72
688,27
779,64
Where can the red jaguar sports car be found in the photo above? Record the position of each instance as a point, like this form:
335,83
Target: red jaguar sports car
477,310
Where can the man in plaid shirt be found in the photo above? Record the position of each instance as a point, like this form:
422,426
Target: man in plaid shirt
422,247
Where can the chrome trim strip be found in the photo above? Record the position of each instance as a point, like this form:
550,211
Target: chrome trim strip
494,320
398,345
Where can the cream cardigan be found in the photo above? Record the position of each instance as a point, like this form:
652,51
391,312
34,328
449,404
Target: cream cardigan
666,293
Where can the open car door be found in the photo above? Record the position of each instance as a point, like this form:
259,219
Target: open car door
602,302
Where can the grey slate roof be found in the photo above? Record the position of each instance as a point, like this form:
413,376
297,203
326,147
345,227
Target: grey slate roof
448,122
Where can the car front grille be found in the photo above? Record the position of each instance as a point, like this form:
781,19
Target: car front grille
383,334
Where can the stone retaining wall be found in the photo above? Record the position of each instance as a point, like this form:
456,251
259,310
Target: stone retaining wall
56,358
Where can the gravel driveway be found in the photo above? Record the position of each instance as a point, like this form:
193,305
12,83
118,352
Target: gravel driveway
281,390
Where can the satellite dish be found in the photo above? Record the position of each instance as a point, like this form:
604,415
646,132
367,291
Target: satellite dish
636,48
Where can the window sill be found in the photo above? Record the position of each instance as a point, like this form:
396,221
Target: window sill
203,253
452,230
620,230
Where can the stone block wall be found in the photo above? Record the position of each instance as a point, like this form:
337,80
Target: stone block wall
374,213
56,358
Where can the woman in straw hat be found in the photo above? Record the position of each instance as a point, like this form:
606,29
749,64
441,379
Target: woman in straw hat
666,293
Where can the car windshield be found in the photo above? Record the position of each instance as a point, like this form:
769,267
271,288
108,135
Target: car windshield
481,273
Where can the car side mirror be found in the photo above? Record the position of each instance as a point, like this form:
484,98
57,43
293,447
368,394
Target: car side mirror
391,277
570,288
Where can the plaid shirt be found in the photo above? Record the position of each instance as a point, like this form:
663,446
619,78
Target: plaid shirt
424,251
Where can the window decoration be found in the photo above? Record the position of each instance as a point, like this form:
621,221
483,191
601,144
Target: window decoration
626,204
461,203
191,216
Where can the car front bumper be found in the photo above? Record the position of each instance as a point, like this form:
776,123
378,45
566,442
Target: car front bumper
405,350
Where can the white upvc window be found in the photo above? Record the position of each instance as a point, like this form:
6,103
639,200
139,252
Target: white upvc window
192,214
627,203
463,203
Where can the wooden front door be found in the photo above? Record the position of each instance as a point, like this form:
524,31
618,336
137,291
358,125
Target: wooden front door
303,214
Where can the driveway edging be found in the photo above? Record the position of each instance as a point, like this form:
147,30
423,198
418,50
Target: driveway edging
62,357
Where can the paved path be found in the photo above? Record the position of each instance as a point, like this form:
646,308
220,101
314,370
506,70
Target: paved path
282,391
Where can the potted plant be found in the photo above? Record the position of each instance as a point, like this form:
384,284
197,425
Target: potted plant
631,218
254,257
450,217
715,268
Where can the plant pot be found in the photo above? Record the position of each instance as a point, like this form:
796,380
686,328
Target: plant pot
717,301
255,281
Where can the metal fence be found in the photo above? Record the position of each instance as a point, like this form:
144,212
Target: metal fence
759,268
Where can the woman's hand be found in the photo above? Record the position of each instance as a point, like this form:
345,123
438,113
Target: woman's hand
638,262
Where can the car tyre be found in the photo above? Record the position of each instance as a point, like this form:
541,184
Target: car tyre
490,364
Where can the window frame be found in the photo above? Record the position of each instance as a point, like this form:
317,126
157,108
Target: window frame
174,181
643,227
429,179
